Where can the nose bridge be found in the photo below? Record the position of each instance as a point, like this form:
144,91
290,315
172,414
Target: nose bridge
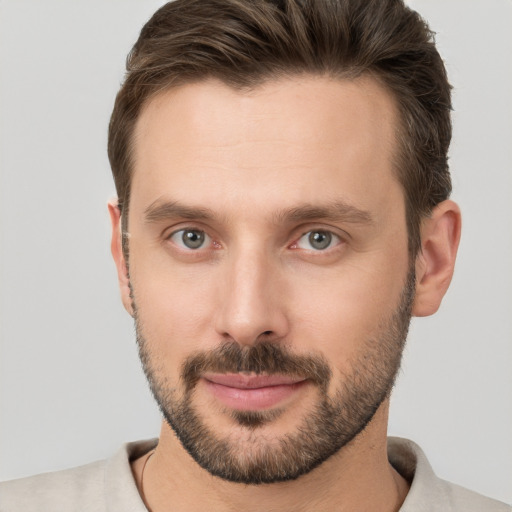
249,300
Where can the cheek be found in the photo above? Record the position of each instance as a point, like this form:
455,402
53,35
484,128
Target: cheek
174,307
346,309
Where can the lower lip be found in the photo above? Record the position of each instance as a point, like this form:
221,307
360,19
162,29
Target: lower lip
253,399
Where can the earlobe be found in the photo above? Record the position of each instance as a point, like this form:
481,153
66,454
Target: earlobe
116,247
440,235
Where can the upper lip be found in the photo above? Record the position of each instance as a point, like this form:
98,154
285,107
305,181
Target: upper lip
241,381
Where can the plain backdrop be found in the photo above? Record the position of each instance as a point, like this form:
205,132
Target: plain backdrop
71,387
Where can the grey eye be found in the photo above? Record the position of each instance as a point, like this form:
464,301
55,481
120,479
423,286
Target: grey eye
189,238
318,240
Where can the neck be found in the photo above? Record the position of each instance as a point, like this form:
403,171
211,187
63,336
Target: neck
358,477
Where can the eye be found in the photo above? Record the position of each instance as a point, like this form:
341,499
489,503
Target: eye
317,240
190,238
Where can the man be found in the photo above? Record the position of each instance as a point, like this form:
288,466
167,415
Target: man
283,210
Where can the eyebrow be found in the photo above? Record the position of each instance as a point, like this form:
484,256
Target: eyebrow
159,211
338,211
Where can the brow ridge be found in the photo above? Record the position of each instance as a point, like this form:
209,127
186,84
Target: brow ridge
336,211
158,211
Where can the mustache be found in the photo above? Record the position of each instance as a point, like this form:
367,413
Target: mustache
262,358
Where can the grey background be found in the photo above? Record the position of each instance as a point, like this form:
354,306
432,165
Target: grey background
71,388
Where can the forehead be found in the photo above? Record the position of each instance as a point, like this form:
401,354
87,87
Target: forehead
287,140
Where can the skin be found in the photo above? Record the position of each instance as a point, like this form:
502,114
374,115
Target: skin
249,157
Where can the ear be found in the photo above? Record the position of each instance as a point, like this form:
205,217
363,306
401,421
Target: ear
440,235
118,255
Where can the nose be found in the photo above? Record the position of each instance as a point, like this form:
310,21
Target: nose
252,304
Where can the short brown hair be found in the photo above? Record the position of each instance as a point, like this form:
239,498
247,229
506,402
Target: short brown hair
246,42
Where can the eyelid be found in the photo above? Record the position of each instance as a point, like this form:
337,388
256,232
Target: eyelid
179,242
169,231
339,237
338,234
334,241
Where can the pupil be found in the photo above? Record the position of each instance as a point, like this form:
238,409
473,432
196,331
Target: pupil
320,239
193,239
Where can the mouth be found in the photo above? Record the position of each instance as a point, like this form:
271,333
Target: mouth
252,392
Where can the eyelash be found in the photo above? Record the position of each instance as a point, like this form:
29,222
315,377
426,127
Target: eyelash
180,243
333,240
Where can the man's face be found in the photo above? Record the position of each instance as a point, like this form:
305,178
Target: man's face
269,268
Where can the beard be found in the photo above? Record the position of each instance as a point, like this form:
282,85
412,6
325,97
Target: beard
332,423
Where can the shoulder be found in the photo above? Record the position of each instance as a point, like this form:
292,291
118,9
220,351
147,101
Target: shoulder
469,501
68,490
430,493
96,487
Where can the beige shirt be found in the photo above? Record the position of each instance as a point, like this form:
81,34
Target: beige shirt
108,486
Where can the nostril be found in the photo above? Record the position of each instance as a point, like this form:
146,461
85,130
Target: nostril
266,333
